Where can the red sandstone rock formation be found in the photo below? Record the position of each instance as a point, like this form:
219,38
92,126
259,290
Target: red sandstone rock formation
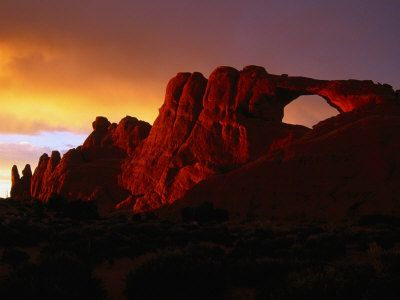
207,128
20,187
90,172
223,129
347,166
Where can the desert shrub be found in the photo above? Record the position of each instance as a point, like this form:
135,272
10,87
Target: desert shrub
6,235
387,239
213,234
324,247
204,213
57,277
391,262
372,220
269,277
176,275
149,215
78,209
334,282
81,210
14,256
10,236
252,248
56,203
87,250
27,232
187,214
303,233
136,217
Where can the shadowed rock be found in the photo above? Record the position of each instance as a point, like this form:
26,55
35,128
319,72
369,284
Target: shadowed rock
346,167
20,187
15,179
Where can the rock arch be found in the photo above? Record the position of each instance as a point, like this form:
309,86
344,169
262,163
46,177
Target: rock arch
208,127
265,95
205,127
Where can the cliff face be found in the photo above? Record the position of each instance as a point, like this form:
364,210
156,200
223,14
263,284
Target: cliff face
207,128
347,166
215,128
204,128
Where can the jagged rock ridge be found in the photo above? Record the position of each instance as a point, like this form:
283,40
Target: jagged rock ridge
90,172
205,128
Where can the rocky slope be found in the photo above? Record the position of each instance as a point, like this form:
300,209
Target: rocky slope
224,129
347,166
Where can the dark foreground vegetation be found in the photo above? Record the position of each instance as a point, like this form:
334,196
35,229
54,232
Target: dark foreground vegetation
63,251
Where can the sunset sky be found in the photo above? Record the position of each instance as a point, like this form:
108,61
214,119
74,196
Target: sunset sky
64,62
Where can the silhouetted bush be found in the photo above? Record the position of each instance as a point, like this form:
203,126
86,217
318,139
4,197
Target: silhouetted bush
187,214
136,217
14,256
59,277
149,216
340,282
204,213
77,209
10,236
371,220
324,247
176,276
267,260
81,210
56,203
387,239
268,277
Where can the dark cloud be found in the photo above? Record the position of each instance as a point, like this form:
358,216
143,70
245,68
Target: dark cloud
91,57
150,41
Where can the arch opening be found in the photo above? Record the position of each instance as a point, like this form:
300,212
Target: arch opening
308,111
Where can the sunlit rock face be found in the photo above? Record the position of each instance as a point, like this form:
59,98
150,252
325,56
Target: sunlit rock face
203,129
212,127
209,130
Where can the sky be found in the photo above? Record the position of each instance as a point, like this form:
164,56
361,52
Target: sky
64,62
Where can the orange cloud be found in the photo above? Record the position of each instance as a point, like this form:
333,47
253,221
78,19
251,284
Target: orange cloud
64,62
78,59
11,124
54,91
